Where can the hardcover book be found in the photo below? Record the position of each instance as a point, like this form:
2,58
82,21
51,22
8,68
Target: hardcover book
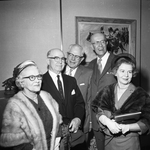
128,117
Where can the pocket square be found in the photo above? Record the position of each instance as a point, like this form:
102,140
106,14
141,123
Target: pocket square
82,84
73,92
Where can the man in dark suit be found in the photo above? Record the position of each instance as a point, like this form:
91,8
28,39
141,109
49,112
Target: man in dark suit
101,77
69,97
82,74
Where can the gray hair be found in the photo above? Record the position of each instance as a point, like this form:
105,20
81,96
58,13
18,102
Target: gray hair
78,46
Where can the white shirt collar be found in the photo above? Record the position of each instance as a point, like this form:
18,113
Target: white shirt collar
68,71
105,57
54,78
52,74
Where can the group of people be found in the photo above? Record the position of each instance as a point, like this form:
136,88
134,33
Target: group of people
73,106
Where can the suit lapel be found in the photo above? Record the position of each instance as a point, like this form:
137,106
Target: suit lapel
52,87
97,76
66,88
107,66
78,72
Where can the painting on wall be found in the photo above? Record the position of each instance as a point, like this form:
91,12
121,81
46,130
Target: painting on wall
120,34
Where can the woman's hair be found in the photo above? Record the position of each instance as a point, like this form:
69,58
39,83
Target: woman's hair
18,69
124,58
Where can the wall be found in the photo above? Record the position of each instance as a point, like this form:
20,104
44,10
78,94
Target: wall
30,28
145,45
124,9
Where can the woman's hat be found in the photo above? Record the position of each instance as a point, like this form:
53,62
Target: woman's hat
19,68
126,56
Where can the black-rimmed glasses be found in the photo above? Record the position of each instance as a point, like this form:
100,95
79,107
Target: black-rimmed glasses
33,77
57,59
74,56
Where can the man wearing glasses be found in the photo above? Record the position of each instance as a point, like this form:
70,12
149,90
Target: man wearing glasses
65,91
101,77
82,74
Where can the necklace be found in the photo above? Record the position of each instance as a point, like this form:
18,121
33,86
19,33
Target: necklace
33,98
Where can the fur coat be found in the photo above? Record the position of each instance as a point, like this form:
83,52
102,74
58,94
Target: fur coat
22,124
139,100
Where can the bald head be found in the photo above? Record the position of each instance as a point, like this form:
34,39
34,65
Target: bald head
97,35
54,51
55,60
75,55
77,49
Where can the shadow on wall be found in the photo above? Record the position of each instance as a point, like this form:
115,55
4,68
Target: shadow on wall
136,80
145,80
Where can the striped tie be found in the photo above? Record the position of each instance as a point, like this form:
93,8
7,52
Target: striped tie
99,65
60,87
70,72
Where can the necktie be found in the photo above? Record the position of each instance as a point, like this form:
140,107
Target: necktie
60,87
70,72
100,65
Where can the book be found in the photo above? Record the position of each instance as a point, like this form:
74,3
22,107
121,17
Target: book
128,117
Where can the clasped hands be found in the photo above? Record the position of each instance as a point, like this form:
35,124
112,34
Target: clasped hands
113,126
74,125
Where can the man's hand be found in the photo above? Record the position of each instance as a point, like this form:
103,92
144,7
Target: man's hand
74,125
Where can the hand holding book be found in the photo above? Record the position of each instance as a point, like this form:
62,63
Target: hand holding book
128,118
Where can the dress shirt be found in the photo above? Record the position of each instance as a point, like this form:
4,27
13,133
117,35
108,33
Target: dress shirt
54,78
72,72
103,60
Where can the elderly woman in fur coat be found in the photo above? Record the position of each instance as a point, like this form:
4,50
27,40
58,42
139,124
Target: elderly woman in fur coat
122,98
31,118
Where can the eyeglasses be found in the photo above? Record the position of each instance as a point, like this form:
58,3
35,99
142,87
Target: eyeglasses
32,77
99,42
57,59
74,56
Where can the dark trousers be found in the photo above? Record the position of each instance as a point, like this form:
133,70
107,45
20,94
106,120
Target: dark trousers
100,139
81,146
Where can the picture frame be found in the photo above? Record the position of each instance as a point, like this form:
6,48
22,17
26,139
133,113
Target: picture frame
120,34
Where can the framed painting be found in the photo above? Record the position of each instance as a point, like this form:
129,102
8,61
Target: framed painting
120,34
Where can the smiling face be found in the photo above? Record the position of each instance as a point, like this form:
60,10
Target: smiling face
124,74
75,56
99,44
56,65
28,85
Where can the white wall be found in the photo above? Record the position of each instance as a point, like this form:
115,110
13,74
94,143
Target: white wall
145,45
28,29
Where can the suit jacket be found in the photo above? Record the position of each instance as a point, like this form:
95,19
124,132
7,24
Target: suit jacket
99,81
73,105
83,77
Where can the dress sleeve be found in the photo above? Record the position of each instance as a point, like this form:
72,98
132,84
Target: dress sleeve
107,114
143,127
